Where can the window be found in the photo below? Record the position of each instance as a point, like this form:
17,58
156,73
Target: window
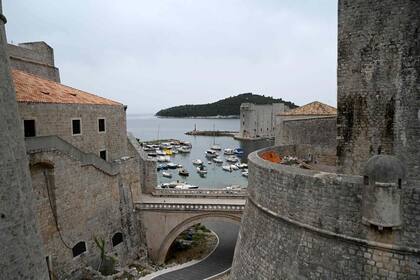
101,125
76,126
117,239
79,248
102,154
29,128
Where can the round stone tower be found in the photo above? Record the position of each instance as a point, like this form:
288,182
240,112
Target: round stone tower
21,254
361,222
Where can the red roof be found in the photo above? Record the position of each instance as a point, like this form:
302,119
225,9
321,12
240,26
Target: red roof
30,88
312,109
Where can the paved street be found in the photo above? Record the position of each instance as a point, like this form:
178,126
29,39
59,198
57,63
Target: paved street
218,261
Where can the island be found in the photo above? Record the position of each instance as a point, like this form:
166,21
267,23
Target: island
225,108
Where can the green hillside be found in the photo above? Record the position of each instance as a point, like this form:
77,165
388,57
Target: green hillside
225,107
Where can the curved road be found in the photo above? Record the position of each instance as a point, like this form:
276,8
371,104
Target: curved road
219,261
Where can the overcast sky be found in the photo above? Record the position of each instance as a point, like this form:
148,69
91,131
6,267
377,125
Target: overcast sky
160,53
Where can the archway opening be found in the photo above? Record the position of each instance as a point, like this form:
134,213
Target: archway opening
183,230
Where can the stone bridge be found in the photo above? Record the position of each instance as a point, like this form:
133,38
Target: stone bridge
168,212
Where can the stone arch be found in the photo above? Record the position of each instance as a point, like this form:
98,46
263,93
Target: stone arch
177,230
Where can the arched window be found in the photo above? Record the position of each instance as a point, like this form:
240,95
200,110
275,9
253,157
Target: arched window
79,248
117,239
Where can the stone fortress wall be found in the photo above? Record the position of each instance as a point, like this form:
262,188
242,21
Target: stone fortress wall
21,254
362,223
320,130
36,58
259,121
306,224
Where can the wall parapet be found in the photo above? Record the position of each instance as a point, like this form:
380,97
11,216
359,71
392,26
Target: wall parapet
217,193
325,201
190,207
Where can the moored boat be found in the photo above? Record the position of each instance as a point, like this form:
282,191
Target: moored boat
166,174
184,150
211,154
216,147
197,162
232,159
238,151
218,160
183,172
227,168
172,165
228,152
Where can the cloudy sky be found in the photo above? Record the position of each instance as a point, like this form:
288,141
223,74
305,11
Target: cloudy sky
160,53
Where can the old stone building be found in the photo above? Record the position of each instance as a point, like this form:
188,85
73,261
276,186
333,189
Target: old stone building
259,121
313,123
361,223
85,171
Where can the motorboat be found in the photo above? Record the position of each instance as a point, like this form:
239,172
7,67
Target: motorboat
184,150
185,187
172,165
163,159
183,172
168,152
218,160
197,162
171,185
160,153
162,167
234,167
201,170
241,165
209,162
166,174
211,154
238,151
152,154
228,152
232,159
179,166
216,147
245,173
185,144
227,168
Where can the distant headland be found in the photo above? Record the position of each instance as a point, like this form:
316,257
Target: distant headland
225,108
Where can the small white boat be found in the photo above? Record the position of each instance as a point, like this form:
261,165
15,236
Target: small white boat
216,147
172,165
241,165
228,152
209,162
184,172
211,154
185,187
184,150
179,166
232,159
234,167
245,173
197,162
201,170
166,174
160,153
218,160
227,168
163,159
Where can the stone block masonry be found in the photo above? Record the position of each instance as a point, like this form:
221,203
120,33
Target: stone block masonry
21,254
304,224
378,82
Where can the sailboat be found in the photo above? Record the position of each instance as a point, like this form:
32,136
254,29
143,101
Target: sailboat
215,147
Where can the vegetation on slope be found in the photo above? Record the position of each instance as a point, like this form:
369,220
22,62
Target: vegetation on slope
226,107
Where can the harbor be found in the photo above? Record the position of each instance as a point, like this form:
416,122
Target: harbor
220,173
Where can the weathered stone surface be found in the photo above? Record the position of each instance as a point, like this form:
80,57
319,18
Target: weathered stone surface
378,82
21,254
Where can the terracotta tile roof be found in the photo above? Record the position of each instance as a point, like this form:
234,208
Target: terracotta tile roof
312,109
30,88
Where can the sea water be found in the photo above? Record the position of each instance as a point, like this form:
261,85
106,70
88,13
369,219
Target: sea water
148,127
